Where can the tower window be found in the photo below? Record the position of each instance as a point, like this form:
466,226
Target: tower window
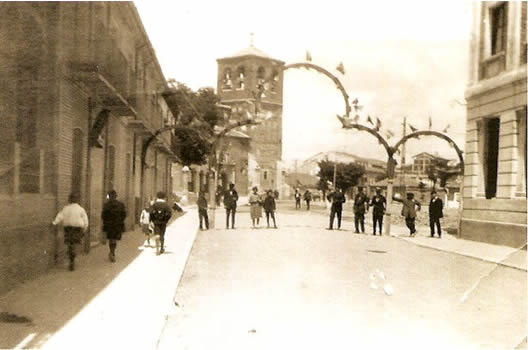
241,76
274,80
260,75
227,80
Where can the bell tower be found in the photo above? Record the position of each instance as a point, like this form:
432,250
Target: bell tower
241,78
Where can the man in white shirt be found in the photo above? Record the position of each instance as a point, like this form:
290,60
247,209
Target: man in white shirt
74,221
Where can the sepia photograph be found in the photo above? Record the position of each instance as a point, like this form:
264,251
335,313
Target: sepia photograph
263,175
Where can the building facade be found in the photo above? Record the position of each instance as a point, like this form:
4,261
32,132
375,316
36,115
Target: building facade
239,76
81,94
494,196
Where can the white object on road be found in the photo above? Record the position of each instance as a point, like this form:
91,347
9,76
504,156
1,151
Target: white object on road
373,285
388,289
381,275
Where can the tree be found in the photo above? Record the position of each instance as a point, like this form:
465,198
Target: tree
440,170
347,174
197,114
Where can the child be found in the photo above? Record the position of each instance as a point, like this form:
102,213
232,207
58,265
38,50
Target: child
144,220
202,210
269,207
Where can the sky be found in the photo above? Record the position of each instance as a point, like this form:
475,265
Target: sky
401,58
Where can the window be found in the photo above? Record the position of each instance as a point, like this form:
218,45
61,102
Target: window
260,76
265,175
77,161
521,152
241,75
111,169
498,20
227,79
523,33
491,156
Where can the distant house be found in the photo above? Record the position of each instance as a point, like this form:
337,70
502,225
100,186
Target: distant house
374,168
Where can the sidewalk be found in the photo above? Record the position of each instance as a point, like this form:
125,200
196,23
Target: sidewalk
501,255
102,305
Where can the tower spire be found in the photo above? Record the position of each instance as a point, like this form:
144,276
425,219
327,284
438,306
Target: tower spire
251,39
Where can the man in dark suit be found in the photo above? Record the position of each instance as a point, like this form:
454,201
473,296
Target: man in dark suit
379,205
436,207
360,207
113,216
337,198
230,204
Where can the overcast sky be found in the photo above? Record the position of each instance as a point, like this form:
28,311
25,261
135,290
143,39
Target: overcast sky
401,59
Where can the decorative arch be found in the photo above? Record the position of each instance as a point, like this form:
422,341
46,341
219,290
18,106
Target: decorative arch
440,135
321,70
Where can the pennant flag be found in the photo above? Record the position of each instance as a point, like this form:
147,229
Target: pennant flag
378,124
340,68
430,123
369,120
249,116
389,134
447,127
413,129
308,56
356,101
356,118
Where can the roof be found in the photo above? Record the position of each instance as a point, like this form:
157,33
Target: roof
250,51
429,155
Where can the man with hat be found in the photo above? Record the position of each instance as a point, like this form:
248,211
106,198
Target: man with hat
360,207
409,211
379,204
337,198
435,213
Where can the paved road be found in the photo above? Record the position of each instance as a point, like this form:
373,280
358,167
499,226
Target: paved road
305,287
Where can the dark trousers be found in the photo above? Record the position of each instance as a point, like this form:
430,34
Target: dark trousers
297,203
232,212
333,213
307,205
202,215
359,220
377,219
112,243
160,230
435,221
272,214
410,224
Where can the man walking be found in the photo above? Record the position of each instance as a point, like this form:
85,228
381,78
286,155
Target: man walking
409,211
113,216
436,207
360,207
202,210
230,205
297,196
308,198
160,214
74,221
379,204
337,198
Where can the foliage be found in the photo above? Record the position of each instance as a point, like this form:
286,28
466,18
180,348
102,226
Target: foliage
440,171
196,113
190,146
347,175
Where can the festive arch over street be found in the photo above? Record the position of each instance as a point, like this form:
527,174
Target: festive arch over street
323,71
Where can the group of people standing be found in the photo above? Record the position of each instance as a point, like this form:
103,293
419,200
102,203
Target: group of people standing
378,203
74,220
307,196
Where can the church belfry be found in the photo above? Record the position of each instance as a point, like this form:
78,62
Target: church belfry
238,81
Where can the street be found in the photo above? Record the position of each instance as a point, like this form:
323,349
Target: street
304,286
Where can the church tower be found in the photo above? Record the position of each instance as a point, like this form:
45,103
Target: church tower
238,81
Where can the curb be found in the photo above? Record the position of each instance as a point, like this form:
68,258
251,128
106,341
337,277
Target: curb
464,255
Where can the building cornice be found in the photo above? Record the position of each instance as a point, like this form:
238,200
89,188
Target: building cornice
486,85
